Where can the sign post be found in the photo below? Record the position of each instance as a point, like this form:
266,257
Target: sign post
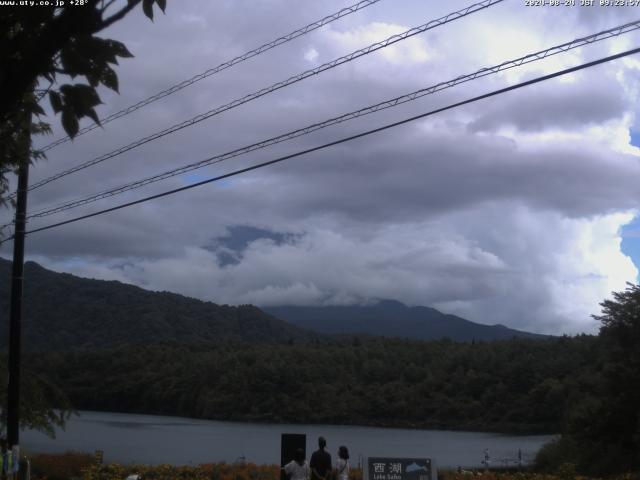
386,468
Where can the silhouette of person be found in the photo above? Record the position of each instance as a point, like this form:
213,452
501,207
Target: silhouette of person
320,462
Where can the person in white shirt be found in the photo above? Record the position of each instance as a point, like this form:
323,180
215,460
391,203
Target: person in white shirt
298,468
342,464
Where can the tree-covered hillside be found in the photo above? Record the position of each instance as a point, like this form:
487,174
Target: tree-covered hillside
517,385
63,311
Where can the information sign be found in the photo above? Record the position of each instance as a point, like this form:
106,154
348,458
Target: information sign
383,468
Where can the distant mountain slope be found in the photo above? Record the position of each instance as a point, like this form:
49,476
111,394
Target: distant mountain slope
390,318
63,311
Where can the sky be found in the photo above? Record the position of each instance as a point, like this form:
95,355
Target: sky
521,209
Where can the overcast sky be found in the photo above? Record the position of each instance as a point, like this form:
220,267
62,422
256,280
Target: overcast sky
518,209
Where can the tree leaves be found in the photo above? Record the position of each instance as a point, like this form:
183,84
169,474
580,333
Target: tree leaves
452,384
109,79
56,101
147,7
91,56
37,109
75,101
608,421
119,49
43,407
70,123
68,36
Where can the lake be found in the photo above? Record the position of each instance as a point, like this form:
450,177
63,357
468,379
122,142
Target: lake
147,439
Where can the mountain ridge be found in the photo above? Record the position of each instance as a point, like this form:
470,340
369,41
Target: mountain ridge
65,311
391,318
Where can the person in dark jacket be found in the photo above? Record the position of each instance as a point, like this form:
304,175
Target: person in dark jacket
320,462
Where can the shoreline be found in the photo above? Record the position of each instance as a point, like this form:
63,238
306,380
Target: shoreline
388,425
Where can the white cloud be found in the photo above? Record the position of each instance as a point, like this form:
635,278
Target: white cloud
506,264
406,53
592,268
311,55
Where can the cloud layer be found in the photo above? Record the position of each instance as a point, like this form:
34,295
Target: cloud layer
505,211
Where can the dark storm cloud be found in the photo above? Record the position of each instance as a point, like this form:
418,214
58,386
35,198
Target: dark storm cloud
439,171
593,99
442,170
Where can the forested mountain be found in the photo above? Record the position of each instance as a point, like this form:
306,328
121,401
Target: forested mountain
389,318
516,385
63,311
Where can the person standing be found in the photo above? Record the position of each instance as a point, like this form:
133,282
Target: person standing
320,462
342,464
298,468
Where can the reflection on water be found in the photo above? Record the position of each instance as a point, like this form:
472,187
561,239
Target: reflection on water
114,424
127,438
130,424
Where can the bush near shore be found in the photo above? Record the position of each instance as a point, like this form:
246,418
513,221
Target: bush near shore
565,472
214,471
60,466
82,466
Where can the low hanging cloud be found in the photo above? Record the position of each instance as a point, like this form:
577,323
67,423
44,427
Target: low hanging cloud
497,264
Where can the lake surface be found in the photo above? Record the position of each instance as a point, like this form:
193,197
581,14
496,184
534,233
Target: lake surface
147,439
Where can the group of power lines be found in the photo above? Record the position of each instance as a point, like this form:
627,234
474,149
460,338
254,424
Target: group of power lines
345,117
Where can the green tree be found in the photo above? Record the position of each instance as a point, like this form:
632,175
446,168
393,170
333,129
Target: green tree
44,406
619,410
39,44
602,430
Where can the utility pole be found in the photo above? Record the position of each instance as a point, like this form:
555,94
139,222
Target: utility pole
15,316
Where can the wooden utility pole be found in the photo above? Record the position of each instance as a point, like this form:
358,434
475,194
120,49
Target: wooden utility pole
15,316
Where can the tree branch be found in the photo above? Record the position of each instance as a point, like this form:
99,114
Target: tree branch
104,7
119,15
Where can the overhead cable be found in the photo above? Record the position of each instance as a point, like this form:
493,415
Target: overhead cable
337,142
223,66
276,86
612,32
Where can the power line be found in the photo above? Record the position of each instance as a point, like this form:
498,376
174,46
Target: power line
223,66
342,140
612,32
276,86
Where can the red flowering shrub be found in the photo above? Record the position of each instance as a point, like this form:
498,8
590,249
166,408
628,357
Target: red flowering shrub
60,466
